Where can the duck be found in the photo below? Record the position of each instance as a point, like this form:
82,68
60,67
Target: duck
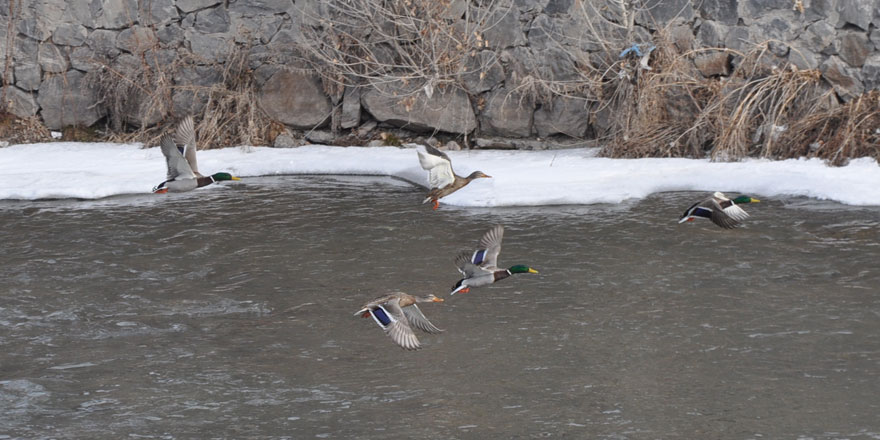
441,178
480,267
397,314
723,211
180,157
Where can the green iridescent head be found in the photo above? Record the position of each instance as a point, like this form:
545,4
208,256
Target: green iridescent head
744,199
519,268
223,176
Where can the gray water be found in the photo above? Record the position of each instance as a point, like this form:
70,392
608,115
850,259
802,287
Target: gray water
227,313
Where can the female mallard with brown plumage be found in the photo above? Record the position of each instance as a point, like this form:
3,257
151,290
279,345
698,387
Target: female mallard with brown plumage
480,268
442,179
180,157
723,211
397,313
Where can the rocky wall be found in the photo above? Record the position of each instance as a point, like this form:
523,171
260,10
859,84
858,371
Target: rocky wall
52,46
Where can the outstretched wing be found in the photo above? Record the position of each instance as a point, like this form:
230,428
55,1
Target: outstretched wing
438,165
489,248
720,217
178,167
418,320
186,136
467,267
399,330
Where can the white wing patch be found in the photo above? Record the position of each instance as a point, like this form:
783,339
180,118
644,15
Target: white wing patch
439,169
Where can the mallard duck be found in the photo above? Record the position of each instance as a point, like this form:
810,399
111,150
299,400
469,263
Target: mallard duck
442,179
180,156
397,313
480,268
723,211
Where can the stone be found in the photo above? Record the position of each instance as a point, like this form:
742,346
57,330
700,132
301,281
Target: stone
802,57
655,14
871,72
258,29
712,34
103,42
210,48
682,37
255,8
818,36
170,35
70,34
295,99
503,29
194,84
26,49
855,12
53,59
842,78
324,137
64,102
351,108
451,146
558,7
158,12
116,14
137,40
723,11
711,64
875,38
287,140
448,109
508,114
738,38
212,21
27,75
79,12
852,47
481,72
750,10
366,128
188,6
567,115
19,102
455,9
85,59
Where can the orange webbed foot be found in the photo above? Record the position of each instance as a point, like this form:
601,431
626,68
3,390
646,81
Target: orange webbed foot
436,204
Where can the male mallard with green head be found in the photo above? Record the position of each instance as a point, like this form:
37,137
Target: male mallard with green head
397,313
723,211
480,268
180,157
442,179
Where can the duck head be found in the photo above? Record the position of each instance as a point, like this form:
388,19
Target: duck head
519,268
460,287
223,176
478,175
744,199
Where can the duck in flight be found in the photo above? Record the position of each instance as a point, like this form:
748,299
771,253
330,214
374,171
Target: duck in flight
180,157
480,267
718,208
397,314
442,179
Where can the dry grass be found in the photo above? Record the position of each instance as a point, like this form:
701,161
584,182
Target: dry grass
229,115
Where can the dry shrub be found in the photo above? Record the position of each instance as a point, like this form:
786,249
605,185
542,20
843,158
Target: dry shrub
838,133
230,112
15,130
657,112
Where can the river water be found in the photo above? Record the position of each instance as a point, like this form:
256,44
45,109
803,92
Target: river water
227,313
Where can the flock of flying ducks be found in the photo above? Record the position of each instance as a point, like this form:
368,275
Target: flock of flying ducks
397,313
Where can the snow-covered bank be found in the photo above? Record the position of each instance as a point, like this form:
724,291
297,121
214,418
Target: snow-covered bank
96,170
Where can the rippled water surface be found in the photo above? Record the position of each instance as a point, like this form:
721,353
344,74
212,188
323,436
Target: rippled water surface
227,313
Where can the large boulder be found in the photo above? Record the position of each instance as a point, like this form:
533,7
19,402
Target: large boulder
852,47
507,113
64,101
482,72
566,115
295,99
115,14
843,78
19,102
447,110
655,14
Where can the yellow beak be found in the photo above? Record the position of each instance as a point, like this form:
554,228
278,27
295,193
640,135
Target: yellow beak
235,178
532,270
754,200
438,300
